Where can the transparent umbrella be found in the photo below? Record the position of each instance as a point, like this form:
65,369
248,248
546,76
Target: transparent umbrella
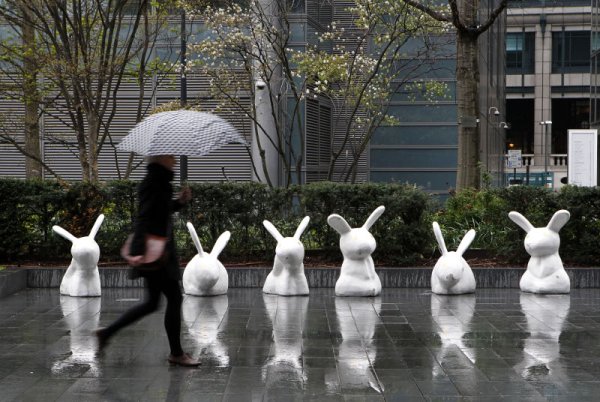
180,132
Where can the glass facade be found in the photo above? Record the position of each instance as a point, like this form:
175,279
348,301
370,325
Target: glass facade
520,135
541,109
423,148
520,53
595,67
567,114
570,51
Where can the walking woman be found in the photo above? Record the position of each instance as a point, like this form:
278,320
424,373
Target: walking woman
154,217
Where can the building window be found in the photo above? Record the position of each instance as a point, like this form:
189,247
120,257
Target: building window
297,6
519,112
520,50
570,51
568,114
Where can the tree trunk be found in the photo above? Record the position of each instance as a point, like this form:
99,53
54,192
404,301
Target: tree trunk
33,168
467,93
92,139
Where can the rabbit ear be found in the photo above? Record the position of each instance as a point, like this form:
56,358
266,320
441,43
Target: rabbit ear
62,232
301,227
195,238
339,224
273,230
220,244
373,218
466,242
559,219
440,238
96,226
521,221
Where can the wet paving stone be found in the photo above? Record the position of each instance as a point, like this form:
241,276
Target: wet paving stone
406,345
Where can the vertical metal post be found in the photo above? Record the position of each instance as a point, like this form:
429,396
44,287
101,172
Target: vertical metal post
183,167
545,127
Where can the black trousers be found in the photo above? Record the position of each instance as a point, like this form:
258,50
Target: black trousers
155,284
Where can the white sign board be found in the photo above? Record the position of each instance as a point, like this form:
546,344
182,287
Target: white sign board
514,159
583,158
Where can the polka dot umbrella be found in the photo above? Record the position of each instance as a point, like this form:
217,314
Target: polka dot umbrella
180,132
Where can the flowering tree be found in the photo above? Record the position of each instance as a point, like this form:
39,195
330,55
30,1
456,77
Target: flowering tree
368,65
84,50
244,56
357,69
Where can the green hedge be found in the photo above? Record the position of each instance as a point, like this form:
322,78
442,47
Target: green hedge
29,209
487,212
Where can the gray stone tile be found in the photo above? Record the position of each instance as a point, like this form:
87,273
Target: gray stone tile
402,346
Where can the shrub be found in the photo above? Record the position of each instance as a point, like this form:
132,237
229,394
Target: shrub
401,232
29,209
580,236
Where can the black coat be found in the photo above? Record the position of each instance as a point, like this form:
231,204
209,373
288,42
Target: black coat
156,205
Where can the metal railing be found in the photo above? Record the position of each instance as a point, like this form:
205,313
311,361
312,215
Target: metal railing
554,160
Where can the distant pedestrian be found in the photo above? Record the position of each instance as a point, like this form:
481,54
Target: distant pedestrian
156,206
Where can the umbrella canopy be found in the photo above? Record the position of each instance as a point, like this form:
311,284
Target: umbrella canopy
179,132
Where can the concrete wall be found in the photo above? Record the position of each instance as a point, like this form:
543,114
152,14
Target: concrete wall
118,277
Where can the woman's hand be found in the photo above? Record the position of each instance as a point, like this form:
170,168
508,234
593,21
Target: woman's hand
135,260
185,195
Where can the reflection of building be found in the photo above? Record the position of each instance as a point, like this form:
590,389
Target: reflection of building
421,150
547,80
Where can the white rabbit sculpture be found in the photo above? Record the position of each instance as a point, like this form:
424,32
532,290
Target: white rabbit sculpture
287,276
357,275
82,277
545,272
452,275
204,275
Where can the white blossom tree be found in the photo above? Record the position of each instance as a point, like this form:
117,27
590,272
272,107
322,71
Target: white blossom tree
367,65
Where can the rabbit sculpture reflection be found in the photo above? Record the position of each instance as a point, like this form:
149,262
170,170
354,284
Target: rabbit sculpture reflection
452,275
287,276
204,275
545,272
357,275
82,277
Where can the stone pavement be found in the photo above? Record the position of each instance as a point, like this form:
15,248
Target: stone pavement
407,345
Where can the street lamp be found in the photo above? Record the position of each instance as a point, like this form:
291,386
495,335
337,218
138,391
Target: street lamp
545,124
